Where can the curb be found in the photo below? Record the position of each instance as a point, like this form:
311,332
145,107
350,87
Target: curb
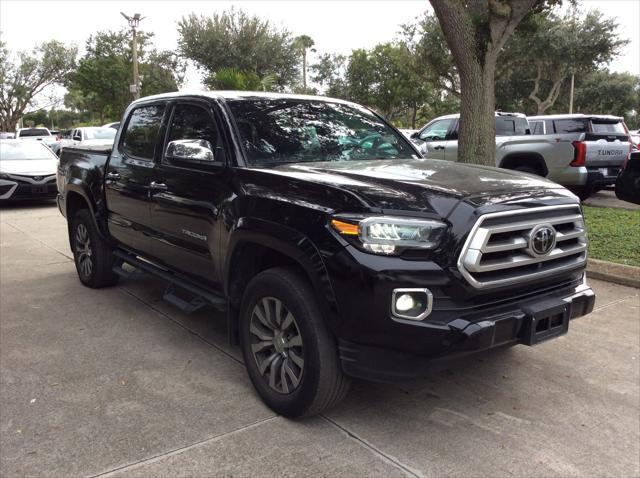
612,272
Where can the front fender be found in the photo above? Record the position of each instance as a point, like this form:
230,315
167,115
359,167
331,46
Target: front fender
289,242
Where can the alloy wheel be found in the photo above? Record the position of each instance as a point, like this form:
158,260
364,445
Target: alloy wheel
276,345
83,250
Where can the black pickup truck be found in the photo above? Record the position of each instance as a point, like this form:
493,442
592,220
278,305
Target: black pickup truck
335,249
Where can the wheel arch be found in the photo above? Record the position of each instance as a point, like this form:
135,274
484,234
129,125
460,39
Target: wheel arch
258,245
532,159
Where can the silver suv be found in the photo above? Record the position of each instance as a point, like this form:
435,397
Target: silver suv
583,154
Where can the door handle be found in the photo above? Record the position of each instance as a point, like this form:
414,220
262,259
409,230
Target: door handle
112,176
438,147
158,186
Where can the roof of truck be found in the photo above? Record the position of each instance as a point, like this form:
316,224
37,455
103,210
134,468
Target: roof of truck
232,95
576,115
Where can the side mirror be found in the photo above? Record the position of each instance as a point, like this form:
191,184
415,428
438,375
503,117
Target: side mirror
77,137
194,150
415,135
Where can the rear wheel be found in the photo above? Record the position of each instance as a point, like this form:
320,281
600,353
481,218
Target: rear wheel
290,355
92,255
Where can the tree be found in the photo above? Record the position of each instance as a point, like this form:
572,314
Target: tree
232,79
476,31
101,82
233,39
303,43
426,40
22,79
542,57
330,73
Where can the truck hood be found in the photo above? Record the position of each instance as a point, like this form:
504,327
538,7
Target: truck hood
417,184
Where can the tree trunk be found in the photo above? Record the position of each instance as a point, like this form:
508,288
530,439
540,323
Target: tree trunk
475,32
304,70
414,113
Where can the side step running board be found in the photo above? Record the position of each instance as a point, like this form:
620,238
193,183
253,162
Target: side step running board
200,297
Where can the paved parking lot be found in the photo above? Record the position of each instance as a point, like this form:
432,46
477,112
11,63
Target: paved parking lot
115,382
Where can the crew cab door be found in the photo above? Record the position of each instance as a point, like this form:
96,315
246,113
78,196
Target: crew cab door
188,189
435,138
128,177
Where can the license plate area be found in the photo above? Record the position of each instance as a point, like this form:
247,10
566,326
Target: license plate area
38,189
545,320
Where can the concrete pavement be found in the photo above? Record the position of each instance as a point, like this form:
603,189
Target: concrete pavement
116,382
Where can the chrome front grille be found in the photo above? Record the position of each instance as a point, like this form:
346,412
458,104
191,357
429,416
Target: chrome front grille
499,248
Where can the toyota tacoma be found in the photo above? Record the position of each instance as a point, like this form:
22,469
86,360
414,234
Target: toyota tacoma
335,249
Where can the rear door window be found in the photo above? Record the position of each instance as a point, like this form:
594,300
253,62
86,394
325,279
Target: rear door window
570,125
141,136
511,126
537,127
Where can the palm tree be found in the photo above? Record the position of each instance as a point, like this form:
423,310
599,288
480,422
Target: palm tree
302,43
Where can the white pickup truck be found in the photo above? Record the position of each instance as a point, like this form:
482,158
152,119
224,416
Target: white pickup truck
580,152
40,134
90,136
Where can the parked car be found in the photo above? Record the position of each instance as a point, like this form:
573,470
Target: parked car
408,133
635,138
582,162
601,144
4,135
27,170
333,247
628,181
115,125
90,135
40,134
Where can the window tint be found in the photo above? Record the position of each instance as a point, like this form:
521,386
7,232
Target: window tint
570,126
289,130
511,126
192,122
617,128
142,131
537,127
34,132
436,131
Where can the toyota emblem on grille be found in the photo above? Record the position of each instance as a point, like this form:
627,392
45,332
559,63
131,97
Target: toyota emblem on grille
37,178
542,240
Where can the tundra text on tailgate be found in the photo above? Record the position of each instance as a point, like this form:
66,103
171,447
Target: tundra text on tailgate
334,248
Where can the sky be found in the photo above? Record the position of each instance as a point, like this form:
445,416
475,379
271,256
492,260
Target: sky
335,26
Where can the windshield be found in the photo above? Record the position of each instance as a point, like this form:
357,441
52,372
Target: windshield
33,132
275,131
24,150
99,133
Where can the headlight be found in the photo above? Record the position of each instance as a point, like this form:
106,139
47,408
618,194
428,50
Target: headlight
4,176
390,235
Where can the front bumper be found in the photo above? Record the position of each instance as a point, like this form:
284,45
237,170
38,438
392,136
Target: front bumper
15,191
493,328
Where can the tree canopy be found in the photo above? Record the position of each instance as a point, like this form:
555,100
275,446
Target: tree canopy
235,39
25,76
100,84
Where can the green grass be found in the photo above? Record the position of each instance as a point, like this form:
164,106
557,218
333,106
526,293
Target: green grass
614,234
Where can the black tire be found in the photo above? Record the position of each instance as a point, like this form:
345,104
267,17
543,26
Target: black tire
322,384
583,192
528,169
93,257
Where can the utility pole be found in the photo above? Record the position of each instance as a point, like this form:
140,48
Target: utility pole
133,23
571,94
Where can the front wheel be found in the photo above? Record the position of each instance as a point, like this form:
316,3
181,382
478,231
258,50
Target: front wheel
290,354
92,255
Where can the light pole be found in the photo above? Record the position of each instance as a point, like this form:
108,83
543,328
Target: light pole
133,23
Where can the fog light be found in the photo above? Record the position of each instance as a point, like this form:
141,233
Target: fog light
405,302
412,304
